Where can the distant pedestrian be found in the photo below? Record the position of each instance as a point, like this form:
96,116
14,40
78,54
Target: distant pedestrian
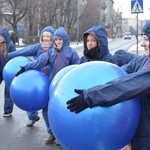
14,37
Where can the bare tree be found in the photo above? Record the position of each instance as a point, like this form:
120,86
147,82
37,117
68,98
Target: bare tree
60,14
92,11
71,14
39,13
45,15
50,12
32,14
13,11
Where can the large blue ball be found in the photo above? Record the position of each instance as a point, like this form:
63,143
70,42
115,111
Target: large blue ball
12,67
59,75
30,90
98,128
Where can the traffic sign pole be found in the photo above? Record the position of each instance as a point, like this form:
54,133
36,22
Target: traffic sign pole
136,8
137,36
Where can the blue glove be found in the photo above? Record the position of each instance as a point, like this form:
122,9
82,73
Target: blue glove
77,104
22,69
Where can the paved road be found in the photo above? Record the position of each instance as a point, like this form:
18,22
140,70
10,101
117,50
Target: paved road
14,135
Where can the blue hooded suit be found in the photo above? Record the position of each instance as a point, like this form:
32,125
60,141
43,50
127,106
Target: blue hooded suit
102,53
35,51
139,77
8,104
56,60
9,46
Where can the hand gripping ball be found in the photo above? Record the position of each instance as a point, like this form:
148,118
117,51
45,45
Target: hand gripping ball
98,128
12,67
30,90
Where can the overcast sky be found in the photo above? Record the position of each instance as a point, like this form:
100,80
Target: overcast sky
125,6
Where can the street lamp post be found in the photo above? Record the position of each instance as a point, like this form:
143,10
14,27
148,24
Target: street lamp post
78,13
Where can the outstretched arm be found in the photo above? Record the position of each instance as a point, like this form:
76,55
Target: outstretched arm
27,51
123,57
113,92
119,90
42,61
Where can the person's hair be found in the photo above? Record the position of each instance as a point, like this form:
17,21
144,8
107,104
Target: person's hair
4,50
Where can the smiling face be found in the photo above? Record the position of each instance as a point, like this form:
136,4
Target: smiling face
58,43
46,38
91,42
145,44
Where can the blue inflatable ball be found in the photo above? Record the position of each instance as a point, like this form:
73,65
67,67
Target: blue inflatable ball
12,67
59,75
30,90
98,128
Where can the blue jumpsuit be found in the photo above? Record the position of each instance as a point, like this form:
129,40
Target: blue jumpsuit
139,77
8,104
111,95
34,50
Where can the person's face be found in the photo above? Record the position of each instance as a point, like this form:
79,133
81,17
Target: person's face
46,38
145,44
1,39
91,42
59,42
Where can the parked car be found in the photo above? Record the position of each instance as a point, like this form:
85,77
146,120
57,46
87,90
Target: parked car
127,35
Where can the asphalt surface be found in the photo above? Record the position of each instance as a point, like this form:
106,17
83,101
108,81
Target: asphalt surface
15,135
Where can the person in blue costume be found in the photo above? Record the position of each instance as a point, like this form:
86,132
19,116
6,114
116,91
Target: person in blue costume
6,46
96,46
119,90
62,55
35,50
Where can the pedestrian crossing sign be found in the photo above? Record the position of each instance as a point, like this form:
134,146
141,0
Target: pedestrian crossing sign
136,6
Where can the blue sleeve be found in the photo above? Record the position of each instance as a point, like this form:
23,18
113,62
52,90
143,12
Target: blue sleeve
135,64
39,63
11,47
123,57
75,58
129,67
119,90
27,51
112,59
82,60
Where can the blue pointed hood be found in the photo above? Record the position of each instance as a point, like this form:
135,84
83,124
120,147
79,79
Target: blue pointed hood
61,32
101,35
5,34
47,29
